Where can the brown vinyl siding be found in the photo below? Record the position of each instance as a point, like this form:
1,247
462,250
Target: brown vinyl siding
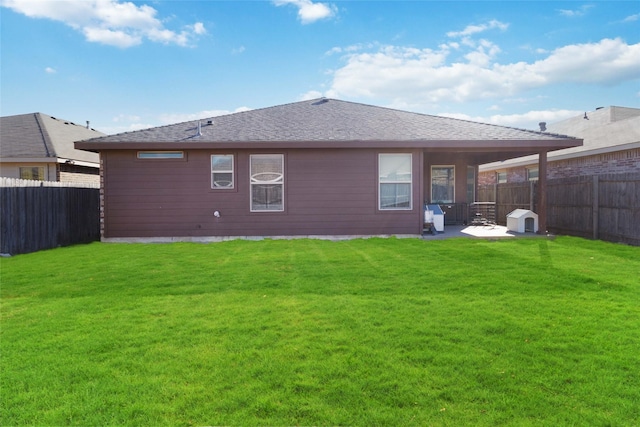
326,192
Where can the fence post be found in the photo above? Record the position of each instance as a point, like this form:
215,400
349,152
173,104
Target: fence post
596,206
531,195
542,192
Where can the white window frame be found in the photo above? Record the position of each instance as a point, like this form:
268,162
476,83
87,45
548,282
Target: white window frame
499,174
382,156
223,171
254,180
537,174
453,182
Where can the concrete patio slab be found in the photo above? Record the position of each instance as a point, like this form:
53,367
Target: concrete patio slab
478,231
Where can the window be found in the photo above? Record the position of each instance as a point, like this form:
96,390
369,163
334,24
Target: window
32,172
501,177
532,174
222,171
471,184
394,181
267,182
443,184
160,154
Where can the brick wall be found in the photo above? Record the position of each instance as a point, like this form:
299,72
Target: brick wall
627,161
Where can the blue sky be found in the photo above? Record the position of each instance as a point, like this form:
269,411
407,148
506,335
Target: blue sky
127,65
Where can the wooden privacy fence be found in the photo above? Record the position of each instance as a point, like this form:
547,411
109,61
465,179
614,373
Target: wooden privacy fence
605,207
36,216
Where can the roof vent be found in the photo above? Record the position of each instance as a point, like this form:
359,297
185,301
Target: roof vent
199,128
543,126
320,101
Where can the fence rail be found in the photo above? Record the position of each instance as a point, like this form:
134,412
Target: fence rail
14,182
605,207
46,215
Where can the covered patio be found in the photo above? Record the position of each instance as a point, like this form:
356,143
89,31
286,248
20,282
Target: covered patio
451,178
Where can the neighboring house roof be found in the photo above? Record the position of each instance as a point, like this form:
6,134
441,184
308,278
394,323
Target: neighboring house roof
325,123
37,137
603,130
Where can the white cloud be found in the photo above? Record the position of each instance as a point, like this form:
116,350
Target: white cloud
50,70
110,22
571,13
309,11
632,18
529,120
312,94
474,29
198,28
171,118
111,37
350,49
125,118
129,123
411,76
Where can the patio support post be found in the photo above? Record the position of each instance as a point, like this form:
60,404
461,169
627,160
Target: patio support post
542,193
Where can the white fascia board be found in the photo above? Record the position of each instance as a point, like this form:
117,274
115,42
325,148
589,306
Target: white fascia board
79,163
28,159
47,160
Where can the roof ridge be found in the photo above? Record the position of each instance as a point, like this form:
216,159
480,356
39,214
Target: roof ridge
46,139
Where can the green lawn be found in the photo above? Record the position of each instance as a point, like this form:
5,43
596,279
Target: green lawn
380,332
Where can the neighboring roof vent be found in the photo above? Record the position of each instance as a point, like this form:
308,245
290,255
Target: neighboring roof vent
320,101
199,128
543,126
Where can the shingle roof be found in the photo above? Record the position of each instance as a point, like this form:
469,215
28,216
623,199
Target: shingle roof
38,136
325,120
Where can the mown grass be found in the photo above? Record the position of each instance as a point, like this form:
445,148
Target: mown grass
365,332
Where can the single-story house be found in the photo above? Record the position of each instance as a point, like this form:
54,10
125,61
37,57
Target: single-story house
611,145
323,167
40,147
